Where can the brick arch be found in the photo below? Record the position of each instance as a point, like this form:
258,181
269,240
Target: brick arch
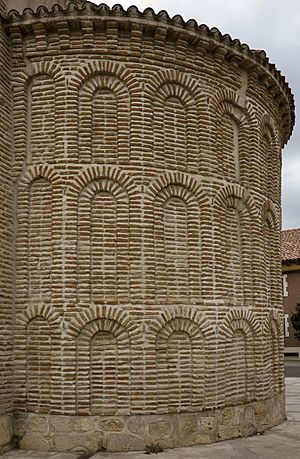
233,136
176,234
175,190
277,355
48,68
21,101
180,179
194,101
276,316
224,95
229,195
39,171
98,145
105,324
111,313
234,212
180,363
267,122
38,365
188,315
270,158
240,318
104,67
175,127
174,89
40,310
237,113
193,207
239,332
41,116
274,360
270,255
267,127
273,317
128,335
237,252
228,99
103,217
104,184
106,81
104,119
118,190
41,68
38,334
94,172
180,80
39,198
270,215
42,335
103,367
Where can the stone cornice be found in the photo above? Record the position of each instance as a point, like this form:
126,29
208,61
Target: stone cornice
222,46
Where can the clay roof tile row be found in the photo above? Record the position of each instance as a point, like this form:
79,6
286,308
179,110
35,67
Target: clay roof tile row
290,244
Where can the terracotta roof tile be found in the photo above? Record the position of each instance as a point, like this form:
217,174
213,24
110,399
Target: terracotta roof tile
290,244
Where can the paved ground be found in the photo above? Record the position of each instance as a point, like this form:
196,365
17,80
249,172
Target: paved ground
292,369
281,442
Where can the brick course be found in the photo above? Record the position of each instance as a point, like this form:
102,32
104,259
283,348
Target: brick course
6,240
146,164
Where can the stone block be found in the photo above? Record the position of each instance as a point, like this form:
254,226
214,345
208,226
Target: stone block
19,424
187,423
5,430
261,414
201,439
81,442
83,423
229,416
229,432
61,423
207,423
159,429
35,442
37,424
136,425
165,442
124,442
114,425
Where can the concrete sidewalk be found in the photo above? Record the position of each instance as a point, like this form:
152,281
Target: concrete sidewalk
280,442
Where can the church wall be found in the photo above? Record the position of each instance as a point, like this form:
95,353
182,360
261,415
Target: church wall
146,211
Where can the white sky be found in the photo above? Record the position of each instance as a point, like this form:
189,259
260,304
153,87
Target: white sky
272,25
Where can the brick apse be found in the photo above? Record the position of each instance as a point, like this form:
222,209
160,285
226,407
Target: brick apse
140,231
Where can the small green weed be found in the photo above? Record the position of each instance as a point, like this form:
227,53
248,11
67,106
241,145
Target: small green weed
86,455
154,448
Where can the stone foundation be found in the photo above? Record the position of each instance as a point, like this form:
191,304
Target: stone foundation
6,433
128,433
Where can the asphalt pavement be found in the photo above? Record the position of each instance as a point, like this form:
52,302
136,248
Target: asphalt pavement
292,370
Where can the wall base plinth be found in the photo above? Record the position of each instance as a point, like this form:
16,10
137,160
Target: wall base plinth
129,433
6,433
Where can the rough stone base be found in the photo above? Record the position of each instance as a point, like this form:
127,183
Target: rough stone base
6,433
128,433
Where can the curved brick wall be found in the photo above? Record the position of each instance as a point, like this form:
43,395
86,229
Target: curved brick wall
6,242
148,272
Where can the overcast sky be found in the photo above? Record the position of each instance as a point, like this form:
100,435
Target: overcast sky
272,25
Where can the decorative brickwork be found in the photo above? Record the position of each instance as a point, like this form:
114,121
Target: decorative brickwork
6,241
146,169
